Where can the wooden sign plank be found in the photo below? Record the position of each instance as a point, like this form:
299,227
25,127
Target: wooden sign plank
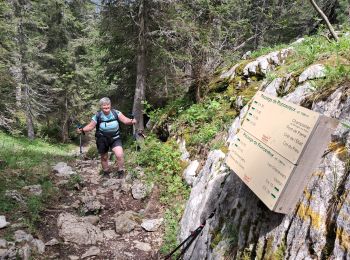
276,149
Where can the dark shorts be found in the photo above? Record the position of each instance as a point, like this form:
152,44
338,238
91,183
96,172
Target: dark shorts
104,143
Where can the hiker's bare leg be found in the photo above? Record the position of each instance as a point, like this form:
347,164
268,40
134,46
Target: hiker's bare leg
119,154
104,161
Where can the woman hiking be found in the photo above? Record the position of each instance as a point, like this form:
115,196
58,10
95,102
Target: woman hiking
107,135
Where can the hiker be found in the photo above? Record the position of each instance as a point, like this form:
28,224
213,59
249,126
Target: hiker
107,134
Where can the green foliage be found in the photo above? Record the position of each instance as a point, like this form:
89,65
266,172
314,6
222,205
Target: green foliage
163,167
27,163
20,153
204,135
171,229
92,152
74,180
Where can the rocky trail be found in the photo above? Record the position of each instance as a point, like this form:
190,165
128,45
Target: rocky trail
96,218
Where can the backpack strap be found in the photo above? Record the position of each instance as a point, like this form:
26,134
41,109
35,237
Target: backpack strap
99,120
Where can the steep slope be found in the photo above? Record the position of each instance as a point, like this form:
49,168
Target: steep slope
312,73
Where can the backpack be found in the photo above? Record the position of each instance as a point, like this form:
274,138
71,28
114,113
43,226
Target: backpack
99,121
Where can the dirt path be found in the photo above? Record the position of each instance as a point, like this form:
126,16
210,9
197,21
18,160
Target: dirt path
100,218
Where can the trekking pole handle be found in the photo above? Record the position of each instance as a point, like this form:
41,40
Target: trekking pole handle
80,126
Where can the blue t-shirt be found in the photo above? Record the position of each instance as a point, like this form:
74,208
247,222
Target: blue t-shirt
112,126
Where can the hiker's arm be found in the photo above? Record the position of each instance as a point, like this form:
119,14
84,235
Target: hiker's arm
87,128
125,120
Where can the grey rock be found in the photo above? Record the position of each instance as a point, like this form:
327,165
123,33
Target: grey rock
189,173
125,187
300,93
92,251
240,216
3,243
142,246
61,169
21,235
203,195
266,63
109,234
125,222
91,219
313,72
3,253
151,225
73,257
74,229
239,102
113,184
185,155
273,87
3,222
230,74
247,55
140,190
33,189
40,246
91,204
15,195
52,242
25,252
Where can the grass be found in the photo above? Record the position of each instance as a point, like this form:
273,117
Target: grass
24,163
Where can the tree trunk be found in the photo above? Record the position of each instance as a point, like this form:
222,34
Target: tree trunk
325,19
141,74
28,110
64,134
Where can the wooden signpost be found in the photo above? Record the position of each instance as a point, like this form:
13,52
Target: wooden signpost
277,148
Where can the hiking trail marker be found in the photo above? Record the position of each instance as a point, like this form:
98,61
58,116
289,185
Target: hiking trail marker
277,148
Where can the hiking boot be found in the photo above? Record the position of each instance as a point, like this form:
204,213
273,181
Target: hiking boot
105,174
120,174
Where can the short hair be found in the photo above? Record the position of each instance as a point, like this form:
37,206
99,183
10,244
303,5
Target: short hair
105,101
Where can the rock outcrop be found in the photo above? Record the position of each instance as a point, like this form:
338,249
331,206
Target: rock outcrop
243,227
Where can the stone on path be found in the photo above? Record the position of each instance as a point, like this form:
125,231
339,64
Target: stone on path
74,229
92,251
140,190
3,222
142,246
15,195
33,189
21,235
92,219
91,204
3,243
151,224
61,169
125,222
52,242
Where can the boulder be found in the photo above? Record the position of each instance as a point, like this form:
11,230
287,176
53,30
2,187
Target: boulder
74,229
142,246
3,222
125,222
189,173
313,72
61,169
151,225
140,190
91,204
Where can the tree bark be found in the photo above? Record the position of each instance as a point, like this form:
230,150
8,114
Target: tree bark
325,19
28,110
141,74
65,127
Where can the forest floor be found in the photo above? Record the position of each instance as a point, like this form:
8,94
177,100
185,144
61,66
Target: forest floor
105,209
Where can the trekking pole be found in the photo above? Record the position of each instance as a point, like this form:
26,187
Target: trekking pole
79,126
190,238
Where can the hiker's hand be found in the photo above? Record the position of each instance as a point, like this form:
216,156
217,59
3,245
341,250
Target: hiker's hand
133,121
80,130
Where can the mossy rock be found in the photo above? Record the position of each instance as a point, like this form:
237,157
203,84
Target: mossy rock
241,66
218,85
